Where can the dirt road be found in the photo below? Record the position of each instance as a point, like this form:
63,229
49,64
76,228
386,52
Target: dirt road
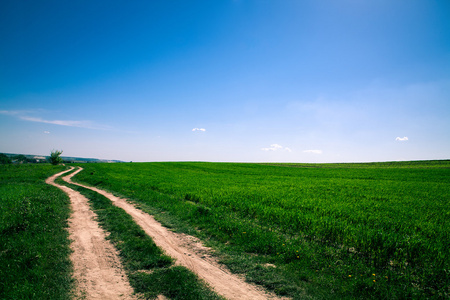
188,252
97,268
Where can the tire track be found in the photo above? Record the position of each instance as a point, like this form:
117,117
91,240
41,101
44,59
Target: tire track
97,268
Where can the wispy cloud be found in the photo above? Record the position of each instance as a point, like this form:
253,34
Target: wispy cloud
58,122
25,115
10,112
403,139
276,147
199,129
313,151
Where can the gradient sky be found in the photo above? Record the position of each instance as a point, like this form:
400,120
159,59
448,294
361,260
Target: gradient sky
226,80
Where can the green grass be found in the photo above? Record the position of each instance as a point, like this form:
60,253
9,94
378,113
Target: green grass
379,231
150,272
34,245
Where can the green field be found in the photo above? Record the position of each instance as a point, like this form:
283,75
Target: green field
314,231
377,230
34,245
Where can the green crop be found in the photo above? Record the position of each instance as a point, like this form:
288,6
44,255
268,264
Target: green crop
378,230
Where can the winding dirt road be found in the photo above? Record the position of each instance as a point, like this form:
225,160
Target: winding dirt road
186,250
97,268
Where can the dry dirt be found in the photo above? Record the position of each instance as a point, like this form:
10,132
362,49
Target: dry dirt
186,250
97,268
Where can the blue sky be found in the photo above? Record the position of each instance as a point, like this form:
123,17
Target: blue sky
231,80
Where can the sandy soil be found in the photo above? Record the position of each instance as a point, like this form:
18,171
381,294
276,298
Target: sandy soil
189,252
97,268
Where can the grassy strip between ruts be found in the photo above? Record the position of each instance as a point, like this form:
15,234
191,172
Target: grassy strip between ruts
34,244
151,273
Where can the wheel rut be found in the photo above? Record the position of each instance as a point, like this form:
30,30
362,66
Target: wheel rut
97,268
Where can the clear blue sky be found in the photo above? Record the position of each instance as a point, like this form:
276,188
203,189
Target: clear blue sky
226,80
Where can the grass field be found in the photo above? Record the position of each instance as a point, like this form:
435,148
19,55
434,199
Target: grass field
34,245
377,230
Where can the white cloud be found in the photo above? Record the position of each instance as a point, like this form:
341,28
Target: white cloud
313,151
273,147
24,115
199,129
21,112
69,123
47,132
57,122
403,139
276,147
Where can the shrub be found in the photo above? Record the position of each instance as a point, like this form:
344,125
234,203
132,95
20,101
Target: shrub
55,157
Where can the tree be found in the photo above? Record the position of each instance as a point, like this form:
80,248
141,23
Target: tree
21,158
4,159
55,157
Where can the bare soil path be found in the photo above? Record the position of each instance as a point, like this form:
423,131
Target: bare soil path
97,268
188,252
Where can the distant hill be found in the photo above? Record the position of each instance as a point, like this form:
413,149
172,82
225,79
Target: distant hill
31,158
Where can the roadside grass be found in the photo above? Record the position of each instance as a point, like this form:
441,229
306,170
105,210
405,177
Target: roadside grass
150,271
34,242
342,231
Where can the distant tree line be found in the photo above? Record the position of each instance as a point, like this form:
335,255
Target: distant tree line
4,159
54,158
20,159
